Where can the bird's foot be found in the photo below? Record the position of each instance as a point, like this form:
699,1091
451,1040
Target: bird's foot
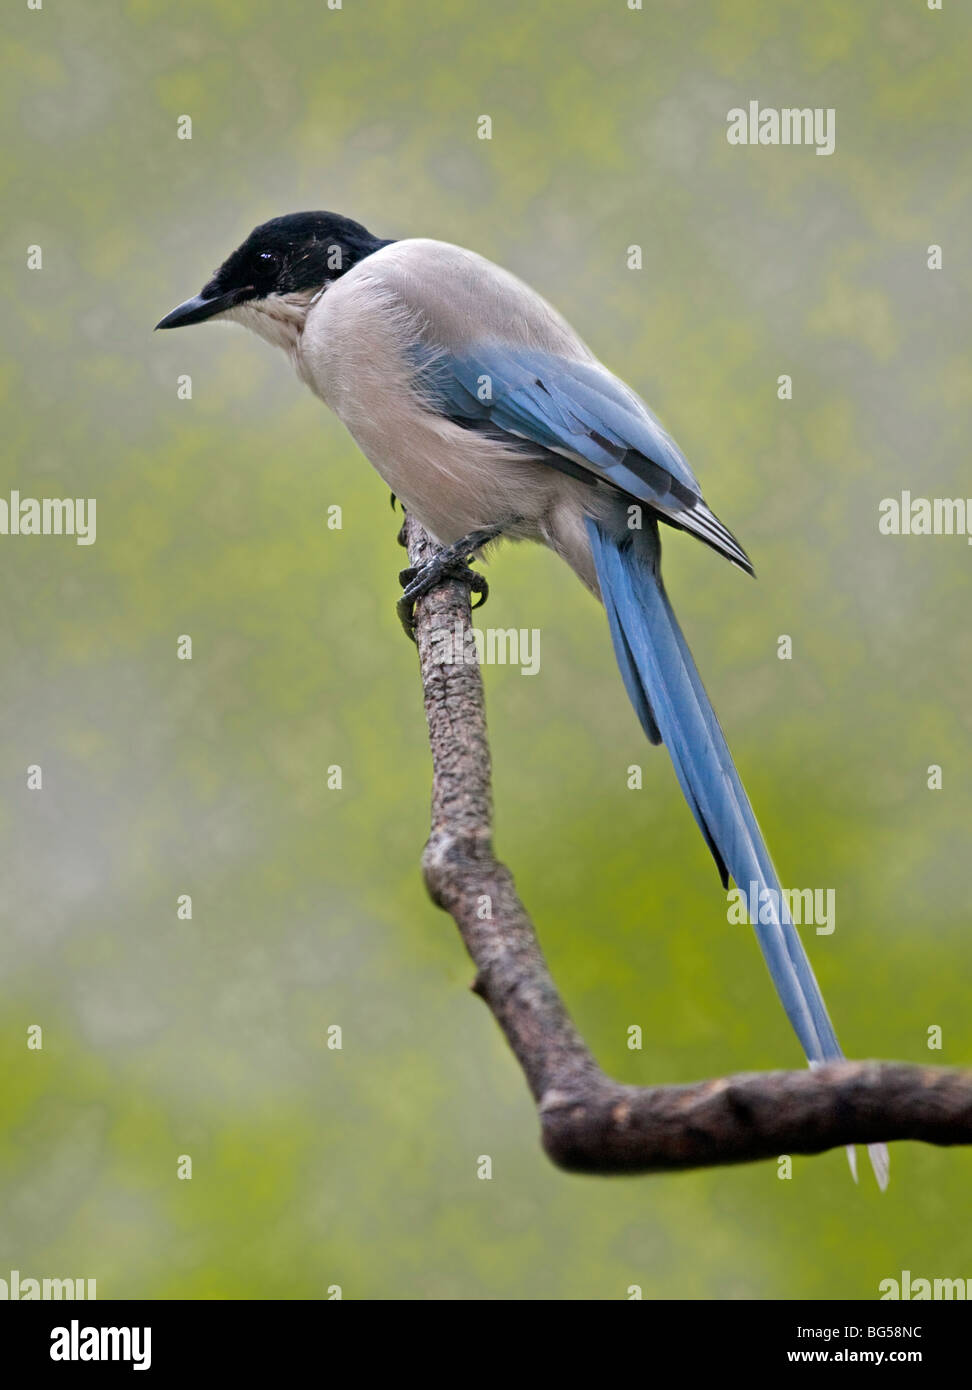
420,580
451,563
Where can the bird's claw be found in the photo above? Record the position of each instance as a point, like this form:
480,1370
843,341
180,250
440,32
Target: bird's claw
419,580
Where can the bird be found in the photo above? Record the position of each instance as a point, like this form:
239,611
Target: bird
488,417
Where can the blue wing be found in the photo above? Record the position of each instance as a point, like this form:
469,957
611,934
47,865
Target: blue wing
587,422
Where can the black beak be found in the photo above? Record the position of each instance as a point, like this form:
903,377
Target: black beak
203,306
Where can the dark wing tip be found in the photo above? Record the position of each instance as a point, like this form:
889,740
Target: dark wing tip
703,523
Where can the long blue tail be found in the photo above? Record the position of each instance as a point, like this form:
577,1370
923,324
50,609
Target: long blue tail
665,688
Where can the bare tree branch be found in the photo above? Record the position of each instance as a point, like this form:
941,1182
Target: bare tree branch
589,1122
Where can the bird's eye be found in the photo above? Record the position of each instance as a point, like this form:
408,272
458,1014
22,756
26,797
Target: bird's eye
269,260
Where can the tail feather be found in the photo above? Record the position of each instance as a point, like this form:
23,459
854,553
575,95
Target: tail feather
670,700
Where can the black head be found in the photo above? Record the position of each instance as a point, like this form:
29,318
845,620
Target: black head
302,251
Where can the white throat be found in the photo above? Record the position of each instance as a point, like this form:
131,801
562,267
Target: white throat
279,318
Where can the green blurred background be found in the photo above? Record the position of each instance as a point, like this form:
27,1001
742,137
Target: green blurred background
314,1167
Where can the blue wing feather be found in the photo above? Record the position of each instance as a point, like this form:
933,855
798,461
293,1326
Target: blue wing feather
578,412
